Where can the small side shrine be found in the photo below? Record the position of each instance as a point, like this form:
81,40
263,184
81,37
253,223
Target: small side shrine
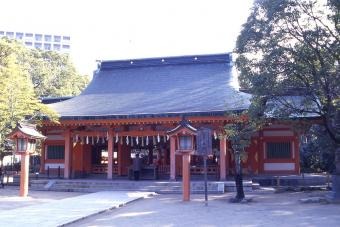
184,134
25,136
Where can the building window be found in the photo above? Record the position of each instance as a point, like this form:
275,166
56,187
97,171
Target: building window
55,152
66,37
19,35
38,37
276,150
57,38
28,44
38,45
47,46
48,38
2,33
66,46
10,35
29,35
56,46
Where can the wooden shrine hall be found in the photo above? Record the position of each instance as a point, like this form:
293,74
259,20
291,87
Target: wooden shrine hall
129,107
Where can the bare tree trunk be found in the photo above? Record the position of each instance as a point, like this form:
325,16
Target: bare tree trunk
238,177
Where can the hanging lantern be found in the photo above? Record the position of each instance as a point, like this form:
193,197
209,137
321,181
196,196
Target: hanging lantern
142,141
147,140
97,139
87,139
153,140
137,140
158,138
127,140
131,141
215,135
92,140
117,139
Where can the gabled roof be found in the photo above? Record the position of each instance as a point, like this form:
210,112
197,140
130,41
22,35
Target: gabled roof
50,100
183,124
27,130
174,86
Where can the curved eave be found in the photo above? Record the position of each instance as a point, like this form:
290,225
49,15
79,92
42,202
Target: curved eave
202,117
141,116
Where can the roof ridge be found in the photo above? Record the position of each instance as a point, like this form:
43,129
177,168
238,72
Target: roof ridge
164,61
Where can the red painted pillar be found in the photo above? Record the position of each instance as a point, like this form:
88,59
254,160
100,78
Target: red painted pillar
42,157
68,154
172,158
110,154
24,174
223,154
186,176
120,159
297,154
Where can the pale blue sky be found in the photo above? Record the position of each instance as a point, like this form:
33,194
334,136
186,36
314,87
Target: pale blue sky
125,29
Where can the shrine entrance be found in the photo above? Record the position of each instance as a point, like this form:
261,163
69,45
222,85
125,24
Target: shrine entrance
154,158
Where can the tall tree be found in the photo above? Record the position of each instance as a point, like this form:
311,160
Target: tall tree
239,132
17,97
28,74
53,74
288,53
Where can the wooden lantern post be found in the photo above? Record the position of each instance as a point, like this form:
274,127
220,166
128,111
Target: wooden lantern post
184,133
25,137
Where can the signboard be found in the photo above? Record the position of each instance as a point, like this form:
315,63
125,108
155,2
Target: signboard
204,142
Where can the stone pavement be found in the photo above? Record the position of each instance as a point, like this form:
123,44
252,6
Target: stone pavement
268,209
68,210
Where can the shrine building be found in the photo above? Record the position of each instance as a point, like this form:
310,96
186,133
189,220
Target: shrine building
129,107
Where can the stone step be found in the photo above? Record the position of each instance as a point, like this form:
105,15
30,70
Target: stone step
155,186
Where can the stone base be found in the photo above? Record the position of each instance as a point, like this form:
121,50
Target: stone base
334,196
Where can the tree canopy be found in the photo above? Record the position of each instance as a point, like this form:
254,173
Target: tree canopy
27,74
54,75
288,54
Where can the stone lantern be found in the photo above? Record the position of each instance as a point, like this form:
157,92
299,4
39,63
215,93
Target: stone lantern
184,134
25,137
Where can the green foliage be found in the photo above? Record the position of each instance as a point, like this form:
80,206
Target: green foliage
289,49
53,74
239,132
27,74
17,97
317,152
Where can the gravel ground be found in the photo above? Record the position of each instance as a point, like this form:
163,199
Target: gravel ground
266,209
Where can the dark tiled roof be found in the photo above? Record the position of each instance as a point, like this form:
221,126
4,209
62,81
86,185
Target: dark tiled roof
189,85
50,100
28,129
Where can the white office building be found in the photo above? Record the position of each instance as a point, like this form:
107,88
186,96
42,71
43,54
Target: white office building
60,43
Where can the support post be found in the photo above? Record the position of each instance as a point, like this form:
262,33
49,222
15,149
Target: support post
42,158
186,176
24,174
120,159
205,180
110,154
223,154
172,158
67,160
